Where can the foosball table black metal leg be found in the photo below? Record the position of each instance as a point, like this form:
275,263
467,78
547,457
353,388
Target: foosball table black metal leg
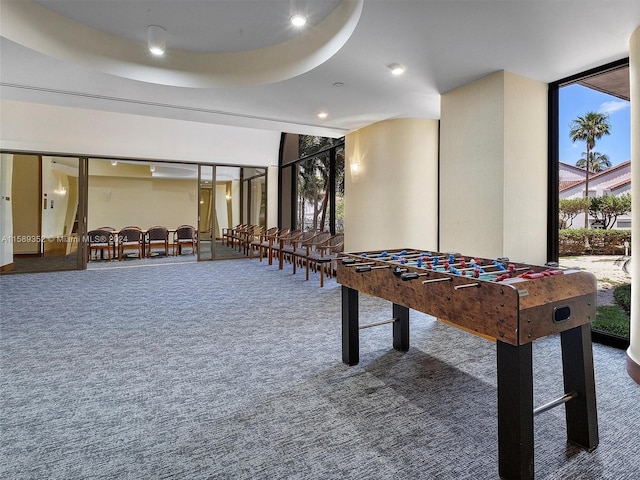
577,367
350,331
401,328
515,410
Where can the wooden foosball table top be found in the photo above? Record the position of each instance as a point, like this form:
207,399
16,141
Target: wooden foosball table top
513,302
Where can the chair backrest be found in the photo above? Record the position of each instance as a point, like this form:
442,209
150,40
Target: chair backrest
336,243
320,238
157,233
292,236
282,233
99,236
306,236
110,229
269,233
130,235
186,232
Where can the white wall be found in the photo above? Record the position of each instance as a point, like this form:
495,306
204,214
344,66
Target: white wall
6,215
53,217
493,168
392,201
33,127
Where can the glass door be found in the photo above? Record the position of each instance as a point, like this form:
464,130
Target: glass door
41,214
206,234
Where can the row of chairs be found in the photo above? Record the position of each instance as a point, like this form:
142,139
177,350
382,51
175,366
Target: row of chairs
154,240
315,251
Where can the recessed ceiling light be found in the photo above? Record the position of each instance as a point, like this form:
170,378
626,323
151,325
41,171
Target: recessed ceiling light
298,20
156,39
396,69
323,115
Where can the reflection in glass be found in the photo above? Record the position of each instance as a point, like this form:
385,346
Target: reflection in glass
38,213
205,213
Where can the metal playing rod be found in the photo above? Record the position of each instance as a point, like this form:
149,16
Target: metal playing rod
548,406
367,268
500,272
467,285
375,324
389,255
444,279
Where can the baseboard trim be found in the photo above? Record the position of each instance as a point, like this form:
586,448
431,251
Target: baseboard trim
7,268
633,368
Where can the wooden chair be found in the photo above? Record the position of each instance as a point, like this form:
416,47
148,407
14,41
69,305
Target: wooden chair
130,238
100,240
228,233
275,240
251,234
305,249
239,234
269,239
157,237
326,255
292,244
260,242
276,247
184,236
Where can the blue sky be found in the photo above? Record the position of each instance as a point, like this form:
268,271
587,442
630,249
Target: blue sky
576,100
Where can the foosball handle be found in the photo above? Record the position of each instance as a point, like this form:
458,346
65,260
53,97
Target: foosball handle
409,276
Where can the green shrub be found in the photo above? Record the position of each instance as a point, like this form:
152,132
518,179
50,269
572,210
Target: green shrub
622,296
573,241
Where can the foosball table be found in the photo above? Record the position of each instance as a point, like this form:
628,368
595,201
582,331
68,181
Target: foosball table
510,303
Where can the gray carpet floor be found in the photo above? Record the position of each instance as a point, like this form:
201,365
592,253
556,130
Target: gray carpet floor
232,370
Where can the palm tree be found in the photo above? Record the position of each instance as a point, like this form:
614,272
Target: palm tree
588,128
597,161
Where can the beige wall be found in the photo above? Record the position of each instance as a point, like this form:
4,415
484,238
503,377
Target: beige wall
634,70
26,204
493,168
144,202
272,197
392,201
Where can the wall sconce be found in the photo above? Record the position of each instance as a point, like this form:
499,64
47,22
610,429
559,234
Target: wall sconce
152,168
61,191
355,170
114,162
228,197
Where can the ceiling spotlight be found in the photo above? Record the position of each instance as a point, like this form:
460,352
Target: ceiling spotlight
396,69
156,39
323,115
298,20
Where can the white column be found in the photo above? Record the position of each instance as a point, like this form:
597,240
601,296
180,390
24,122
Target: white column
493,168
633,353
